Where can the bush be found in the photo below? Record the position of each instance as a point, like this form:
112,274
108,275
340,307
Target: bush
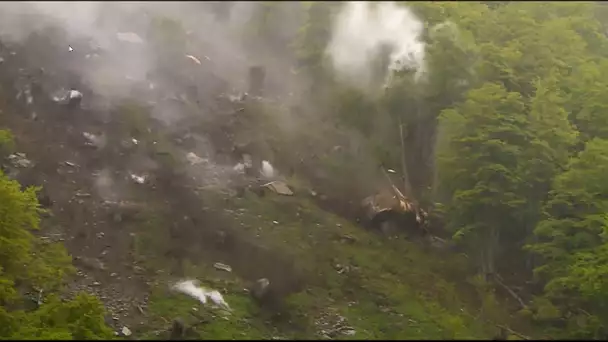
27,263
7,143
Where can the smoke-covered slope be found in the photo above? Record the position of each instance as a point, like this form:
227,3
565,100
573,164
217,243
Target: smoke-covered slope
137,212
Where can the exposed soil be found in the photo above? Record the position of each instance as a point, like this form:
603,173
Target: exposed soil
96,234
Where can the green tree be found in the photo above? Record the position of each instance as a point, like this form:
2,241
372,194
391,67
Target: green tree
572,242
485,165
28,263
19,214
7,143
82,318
587,103
547,155
310,43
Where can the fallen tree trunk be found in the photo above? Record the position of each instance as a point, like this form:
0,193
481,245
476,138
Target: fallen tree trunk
513,332
511,292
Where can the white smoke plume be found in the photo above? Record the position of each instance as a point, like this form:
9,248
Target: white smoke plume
363,28
191,288
175,57
118,31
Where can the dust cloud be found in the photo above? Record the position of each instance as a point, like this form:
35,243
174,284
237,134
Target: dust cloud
363,30
176,57
192,289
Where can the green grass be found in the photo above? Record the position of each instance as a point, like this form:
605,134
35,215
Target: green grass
236,325
394,290
389,274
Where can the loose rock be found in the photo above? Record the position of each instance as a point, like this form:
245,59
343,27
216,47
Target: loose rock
223,267
19,160
126,331
260,288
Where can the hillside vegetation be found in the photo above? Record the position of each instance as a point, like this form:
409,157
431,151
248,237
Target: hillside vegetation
504,141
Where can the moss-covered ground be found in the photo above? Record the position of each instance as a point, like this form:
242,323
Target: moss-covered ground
386,288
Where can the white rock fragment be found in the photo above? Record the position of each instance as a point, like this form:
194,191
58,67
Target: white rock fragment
94,140
63,96
89,136
126,331
193,159
196,60
267,169
240,168
223,267
138,179
29,99
19,160
74,94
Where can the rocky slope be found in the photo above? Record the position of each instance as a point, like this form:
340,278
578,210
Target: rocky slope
138,212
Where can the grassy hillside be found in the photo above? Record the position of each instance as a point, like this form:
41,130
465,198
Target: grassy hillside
330,276
386,288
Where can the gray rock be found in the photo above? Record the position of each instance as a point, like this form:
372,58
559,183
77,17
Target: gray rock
222,267
19,160
260,288
126,331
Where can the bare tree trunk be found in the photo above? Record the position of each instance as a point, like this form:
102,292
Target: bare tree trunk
407,187
493,245
490,246
482,262
489,243
421,137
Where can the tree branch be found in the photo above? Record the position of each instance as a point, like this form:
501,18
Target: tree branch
511,292
513,332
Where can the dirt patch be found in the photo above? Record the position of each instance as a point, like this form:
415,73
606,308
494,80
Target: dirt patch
101,244
78,212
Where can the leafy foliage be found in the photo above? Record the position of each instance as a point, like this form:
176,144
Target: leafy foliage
505,138
511,119
80,318
28,263
7,143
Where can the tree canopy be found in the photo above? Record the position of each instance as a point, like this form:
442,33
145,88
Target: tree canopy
504,140
27,264
511,120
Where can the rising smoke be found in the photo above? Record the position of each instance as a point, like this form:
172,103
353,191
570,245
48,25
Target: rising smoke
128,70
96,42
363,29
192,289
123,68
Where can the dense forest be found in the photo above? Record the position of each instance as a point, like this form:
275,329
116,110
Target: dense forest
503,141
505,144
